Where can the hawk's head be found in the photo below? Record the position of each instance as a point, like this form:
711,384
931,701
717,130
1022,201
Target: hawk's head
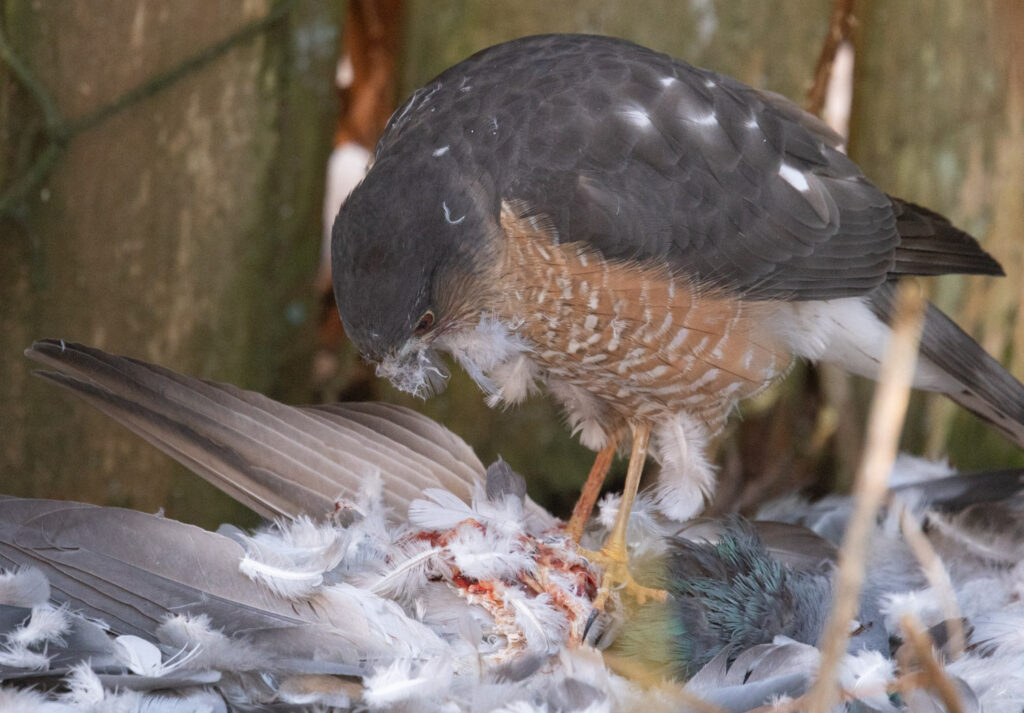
411,254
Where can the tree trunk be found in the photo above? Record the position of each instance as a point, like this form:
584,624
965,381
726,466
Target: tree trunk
939,120
182,229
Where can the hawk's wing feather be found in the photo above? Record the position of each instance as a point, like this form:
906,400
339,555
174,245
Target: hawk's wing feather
647,158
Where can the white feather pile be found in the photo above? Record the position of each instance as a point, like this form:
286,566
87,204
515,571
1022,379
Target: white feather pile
463,607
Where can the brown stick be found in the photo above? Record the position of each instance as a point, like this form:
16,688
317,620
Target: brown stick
885,420
840,27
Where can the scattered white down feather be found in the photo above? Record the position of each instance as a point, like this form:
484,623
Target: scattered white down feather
47,624
482,553
200,645
916,469
543,627
18,656
25,645
16,700
383,626
84,687
408,680
24,587
996,682
292,561
865,675
646,530
1000,631
923,604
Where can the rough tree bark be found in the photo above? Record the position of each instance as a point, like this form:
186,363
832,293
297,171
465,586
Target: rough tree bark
182,229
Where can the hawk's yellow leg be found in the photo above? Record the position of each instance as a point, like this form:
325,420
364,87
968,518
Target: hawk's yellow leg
613,556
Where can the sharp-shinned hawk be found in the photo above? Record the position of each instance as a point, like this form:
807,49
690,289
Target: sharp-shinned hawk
650,241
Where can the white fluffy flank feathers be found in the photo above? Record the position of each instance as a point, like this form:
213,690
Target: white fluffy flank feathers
687,478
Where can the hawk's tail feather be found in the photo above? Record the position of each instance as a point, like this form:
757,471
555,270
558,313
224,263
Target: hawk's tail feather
975,380
989,391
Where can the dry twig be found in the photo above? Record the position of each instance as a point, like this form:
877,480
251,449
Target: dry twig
884,424
935,677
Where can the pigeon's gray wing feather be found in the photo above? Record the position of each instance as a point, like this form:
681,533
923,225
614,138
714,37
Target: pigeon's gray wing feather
131,569
276,459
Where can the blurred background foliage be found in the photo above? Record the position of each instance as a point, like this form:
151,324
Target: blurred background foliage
181,222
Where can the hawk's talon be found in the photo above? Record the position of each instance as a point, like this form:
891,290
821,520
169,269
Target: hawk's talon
613,559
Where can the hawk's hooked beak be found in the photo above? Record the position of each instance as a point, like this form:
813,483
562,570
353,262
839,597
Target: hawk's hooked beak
416,368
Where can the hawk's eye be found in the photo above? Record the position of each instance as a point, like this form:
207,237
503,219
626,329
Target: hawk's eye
425,323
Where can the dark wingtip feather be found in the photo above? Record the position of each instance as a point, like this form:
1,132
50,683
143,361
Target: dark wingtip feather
931,245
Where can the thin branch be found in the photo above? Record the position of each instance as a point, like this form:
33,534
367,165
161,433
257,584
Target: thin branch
937,679
59,130
840,28
24,75
885,420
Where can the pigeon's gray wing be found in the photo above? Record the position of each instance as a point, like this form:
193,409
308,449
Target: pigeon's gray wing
732,688
133,571
278,460
82,641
